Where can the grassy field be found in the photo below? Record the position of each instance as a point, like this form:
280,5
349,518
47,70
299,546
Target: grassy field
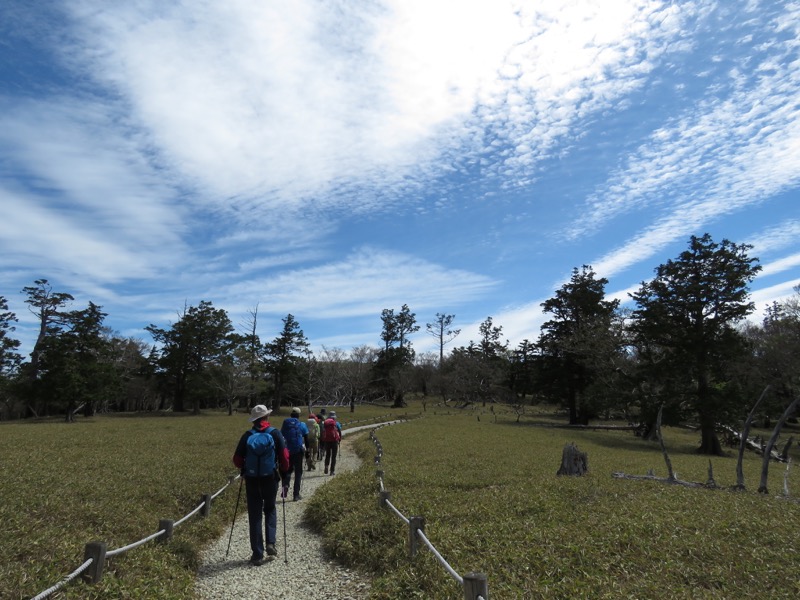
485,485
111,479
493,503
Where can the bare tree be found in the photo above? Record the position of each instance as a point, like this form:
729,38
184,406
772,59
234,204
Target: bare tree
442,330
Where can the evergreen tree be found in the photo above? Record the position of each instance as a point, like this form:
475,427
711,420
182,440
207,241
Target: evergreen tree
200,339
49,307
284,356
577,345
685,324
10,359
390,368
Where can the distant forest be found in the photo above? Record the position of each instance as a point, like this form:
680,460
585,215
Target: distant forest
685,347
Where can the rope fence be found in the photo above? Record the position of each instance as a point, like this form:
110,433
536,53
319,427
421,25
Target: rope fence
95,553
475,585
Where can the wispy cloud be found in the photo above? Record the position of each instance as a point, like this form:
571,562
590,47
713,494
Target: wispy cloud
83,200
364,283
725,154
176,151
308,104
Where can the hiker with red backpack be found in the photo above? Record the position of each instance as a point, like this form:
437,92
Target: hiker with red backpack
262,456
295,432
331,436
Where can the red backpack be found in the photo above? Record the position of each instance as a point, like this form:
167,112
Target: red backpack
330,433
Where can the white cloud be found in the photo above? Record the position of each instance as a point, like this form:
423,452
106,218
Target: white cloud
84,202
776,237
765,297
725,154
364,283
271,105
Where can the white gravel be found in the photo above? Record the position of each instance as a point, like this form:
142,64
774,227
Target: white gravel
303,572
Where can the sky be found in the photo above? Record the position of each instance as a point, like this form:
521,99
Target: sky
332,159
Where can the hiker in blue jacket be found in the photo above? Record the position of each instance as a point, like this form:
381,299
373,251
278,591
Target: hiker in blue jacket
295,432
262,456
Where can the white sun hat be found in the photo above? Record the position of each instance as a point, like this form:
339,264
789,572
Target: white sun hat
258,412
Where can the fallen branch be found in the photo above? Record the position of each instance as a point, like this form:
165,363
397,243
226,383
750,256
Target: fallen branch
673,480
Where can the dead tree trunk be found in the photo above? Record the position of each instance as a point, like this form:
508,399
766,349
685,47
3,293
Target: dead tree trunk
743,441
762,489
670,472
573,461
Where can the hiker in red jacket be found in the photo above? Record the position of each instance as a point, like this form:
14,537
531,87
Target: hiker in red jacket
331,436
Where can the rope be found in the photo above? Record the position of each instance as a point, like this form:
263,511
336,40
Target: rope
443,562
397,512
450,570
191,514
224,487
135,544
64,581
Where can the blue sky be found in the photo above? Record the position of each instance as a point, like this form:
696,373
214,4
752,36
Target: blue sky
332,159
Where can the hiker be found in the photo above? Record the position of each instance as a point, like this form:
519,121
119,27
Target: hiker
261,454
321,416
313,442
331,436
295,432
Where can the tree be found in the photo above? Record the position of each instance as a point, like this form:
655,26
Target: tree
10,359
480,371
283,357
775,355
687,314
522,375
341,377
397,327
393,361
443,331
201,338
577,344
48,307
491,345
251,351
135,374
76,365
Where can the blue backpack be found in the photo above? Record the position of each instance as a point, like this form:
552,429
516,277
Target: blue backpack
293,435
259,460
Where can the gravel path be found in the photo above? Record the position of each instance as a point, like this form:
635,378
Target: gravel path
307,573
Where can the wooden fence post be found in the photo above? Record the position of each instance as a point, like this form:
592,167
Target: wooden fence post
206,500
476,586
97,552
167,525
414,524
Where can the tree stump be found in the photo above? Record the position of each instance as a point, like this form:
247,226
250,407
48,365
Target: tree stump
573,461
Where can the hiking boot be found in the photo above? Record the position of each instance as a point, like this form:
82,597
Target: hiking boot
271,550
326,470
257,561
297,497
332,473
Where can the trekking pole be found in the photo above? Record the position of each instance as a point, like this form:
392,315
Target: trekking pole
285,543
235,510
